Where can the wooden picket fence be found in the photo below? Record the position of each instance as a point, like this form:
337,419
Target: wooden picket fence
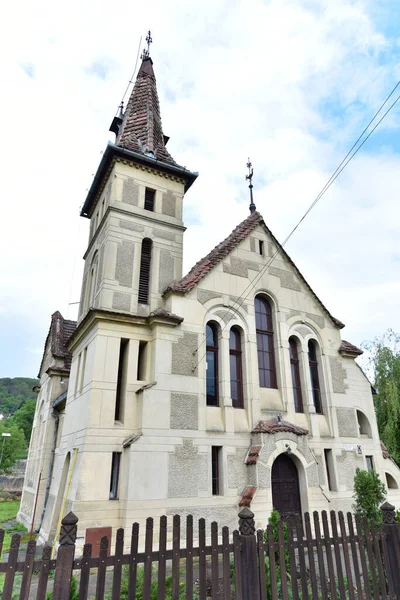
319,558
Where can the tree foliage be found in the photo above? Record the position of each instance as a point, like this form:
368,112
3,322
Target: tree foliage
369,494
23,418
10,447
385,362
14,392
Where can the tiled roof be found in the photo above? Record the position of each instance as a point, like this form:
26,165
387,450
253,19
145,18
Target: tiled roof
275,427
59,333
141,129
253,455
349,348
247,496
206,264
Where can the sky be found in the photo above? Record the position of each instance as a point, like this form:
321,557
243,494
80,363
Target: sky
289,83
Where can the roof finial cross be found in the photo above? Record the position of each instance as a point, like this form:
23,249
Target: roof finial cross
146,53
249,177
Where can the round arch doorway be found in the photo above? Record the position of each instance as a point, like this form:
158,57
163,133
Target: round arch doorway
285,487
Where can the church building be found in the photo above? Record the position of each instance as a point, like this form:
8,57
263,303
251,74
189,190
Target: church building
229,386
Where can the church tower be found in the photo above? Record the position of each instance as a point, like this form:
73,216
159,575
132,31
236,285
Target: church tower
135,210
134,253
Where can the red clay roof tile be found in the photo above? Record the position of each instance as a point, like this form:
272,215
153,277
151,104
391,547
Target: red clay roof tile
253,455
141,129
350,348
275,427
247,496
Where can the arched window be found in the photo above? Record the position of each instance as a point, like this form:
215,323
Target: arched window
364,426
235,359
295,368
391,483
212,380
265,343
144,276
315,387
92,281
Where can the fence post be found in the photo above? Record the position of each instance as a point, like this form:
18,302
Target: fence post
65,557
391,529
248,555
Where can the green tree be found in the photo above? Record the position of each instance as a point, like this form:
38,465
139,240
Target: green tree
385,363
10,447
23,418
369,494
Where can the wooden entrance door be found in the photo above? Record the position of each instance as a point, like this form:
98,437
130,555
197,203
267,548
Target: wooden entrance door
285,487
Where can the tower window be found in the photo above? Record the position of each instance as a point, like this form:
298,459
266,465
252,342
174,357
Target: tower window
212,380
330,471
83,367
235,359
114,480
261,247
296,382
216,452
149,197
370,463
144,277
315,387
141,367
121,380
265,343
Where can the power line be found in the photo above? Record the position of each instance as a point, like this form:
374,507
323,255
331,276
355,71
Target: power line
349,156
134,70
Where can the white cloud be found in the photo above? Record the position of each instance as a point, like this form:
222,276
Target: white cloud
289,82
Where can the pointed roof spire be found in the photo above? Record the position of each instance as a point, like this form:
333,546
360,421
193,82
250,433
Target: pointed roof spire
141,128
249,177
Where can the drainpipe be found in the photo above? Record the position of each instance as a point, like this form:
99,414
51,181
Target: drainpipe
55,416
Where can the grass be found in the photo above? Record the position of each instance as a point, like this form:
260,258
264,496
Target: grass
8,511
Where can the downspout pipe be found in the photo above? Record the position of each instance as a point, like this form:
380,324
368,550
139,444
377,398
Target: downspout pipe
55,416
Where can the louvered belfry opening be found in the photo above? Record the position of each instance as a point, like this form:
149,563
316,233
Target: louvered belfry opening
149,196
144,277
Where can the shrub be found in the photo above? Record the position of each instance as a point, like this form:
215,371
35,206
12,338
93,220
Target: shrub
369,493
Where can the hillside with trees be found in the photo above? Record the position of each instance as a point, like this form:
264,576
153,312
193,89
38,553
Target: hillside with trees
15,392
17,405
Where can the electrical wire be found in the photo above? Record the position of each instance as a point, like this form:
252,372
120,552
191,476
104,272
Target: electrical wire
134,71
349,156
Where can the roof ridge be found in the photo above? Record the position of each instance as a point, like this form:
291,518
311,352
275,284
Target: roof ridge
219,252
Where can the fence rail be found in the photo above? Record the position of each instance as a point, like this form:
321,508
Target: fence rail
320,557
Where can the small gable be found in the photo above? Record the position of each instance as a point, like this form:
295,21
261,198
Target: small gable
56,354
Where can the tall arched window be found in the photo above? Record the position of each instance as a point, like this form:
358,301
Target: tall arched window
235,359
265,343
212,380
315,387
91,288
144,276
295,368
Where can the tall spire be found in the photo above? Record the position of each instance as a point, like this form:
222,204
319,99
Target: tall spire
249,177
141,128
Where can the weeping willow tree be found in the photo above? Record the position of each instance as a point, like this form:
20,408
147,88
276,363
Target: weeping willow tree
385,363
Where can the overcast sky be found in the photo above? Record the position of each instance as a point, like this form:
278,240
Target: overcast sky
290,83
